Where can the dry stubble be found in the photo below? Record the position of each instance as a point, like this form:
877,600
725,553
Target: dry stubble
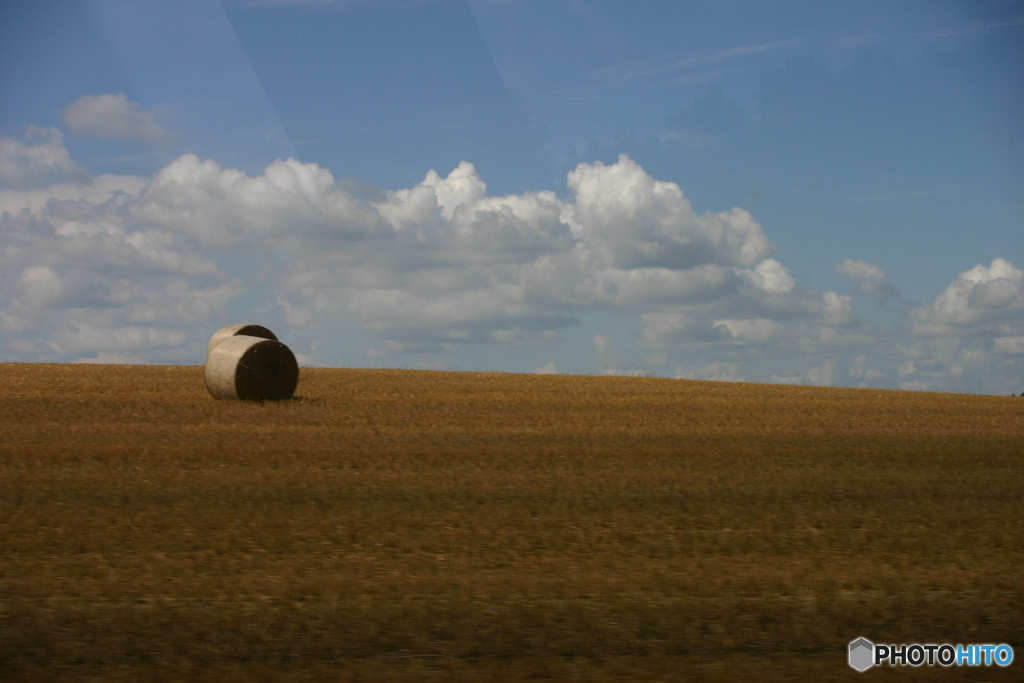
404,525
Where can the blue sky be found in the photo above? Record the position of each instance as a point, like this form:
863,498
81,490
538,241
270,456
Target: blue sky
796,192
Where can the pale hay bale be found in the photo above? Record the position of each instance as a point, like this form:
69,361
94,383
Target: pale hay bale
248,368
232,330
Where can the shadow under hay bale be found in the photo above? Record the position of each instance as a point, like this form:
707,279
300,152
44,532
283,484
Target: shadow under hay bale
236,330
251,369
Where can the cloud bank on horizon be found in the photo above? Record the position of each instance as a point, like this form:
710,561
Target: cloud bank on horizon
124,268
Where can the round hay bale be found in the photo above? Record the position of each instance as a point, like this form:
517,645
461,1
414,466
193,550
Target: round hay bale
232,330
251,369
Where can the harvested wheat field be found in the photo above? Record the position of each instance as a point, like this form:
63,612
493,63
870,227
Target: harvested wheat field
391,525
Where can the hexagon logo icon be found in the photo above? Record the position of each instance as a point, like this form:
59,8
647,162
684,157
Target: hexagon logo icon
862,654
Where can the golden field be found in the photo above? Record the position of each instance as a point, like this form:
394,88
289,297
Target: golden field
396,525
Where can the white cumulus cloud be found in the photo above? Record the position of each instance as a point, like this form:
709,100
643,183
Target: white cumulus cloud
547,369
114,117
984,300
868,278
39,161
631,220
716,371
79,278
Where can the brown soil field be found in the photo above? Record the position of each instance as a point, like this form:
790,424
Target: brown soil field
398,525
